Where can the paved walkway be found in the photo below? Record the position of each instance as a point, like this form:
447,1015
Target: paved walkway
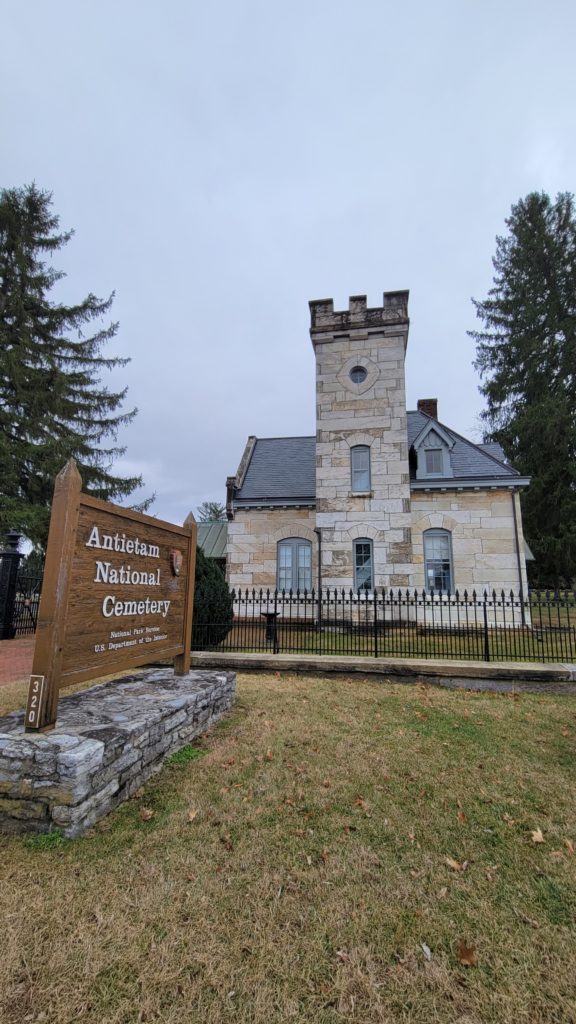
16,659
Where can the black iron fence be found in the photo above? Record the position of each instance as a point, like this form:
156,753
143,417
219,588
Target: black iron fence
27,600
19,591
487,626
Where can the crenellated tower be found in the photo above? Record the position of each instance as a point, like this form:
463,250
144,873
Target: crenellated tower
362,474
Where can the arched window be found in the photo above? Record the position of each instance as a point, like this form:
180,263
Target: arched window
438,570
360,467
363,564
294,564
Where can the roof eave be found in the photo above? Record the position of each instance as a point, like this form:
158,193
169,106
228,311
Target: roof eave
307,502
506,483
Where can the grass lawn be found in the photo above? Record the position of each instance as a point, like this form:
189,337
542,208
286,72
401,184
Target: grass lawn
336,850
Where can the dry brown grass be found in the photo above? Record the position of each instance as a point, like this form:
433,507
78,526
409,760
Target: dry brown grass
312,883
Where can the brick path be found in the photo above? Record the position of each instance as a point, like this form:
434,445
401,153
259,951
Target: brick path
16,659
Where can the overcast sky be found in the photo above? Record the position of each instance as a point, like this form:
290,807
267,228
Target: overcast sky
224,163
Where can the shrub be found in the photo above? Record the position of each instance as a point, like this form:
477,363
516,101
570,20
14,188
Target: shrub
213,610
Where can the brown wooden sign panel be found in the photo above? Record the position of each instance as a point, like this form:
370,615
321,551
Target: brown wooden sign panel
117,593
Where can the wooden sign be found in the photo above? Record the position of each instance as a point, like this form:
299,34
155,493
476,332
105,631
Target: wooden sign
118,592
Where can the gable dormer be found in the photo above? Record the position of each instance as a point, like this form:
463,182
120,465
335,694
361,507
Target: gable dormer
432,448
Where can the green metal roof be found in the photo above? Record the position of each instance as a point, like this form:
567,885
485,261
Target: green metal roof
212,538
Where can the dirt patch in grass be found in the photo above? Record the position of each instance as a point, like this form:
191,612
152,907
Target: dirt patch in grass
345,850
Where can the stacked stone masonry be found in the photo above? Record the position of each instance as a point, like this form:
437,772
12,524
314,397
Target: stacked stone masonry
108,741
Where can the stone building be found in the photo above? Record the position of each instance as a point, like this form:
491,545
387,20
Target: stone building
381,496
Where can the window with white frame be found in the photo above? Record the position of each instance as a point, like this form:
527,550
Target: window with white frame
438,569
363,564
434,461
360,467
294,564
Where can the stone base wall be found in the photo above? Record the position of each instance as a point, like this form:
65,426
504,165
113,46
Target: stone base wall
483,538
108,741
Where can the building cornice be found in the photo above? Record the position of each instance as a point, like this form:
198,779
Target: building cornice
512,483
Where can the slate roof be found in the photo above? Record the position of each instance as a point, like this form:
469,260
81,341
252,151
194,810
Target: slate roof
468,460
282,470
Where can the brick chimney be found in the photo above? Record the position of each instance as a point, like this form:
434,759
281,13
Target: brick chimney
429,406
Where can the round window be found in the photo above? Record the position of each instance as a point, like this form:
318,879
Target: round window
358,374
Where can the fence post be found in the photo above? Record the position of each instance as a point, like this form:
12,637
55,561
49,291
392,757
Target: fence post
275,634
486,640
375,623
9,564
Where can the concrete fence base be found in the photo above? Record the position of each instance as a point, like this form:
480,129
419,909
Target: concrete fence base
107,742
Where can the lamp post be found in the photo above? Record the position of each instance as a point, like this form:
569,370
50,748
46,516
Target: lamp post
9,563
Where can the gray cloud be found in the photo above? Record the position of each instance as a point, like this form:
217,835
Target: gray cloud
223,165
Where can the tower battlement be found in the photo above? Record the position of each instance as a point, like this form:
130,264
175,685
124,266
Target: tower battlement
326,320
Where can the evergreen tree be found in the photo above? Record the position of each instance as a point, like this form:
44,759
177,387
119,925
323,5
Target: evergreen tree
526,355
211,511
213,605
53,405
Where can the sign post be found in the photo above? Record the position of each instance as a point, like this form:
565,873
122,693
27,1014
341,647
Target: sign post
118,592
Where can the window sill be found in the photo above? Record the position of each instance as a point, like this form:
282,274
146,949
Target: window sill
361,494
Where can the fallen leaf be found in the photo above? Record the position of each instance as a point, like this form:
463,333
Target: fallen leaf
426,950
508,819
227,842
192,814
300,832
342,955
326,783
269,755
537,836
466,954
360,802
138,794
146,813
565,731
455,865
309,861
461,817
556,854
569,846
324,856
442,893
411,836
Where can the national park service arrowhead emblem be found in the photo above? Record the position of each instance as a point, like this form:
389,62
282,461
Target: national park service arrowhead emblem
176,561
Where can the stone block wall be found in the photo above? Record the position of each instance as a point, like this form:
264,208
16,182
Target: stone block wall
369,412
108,741
253,538
483,537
